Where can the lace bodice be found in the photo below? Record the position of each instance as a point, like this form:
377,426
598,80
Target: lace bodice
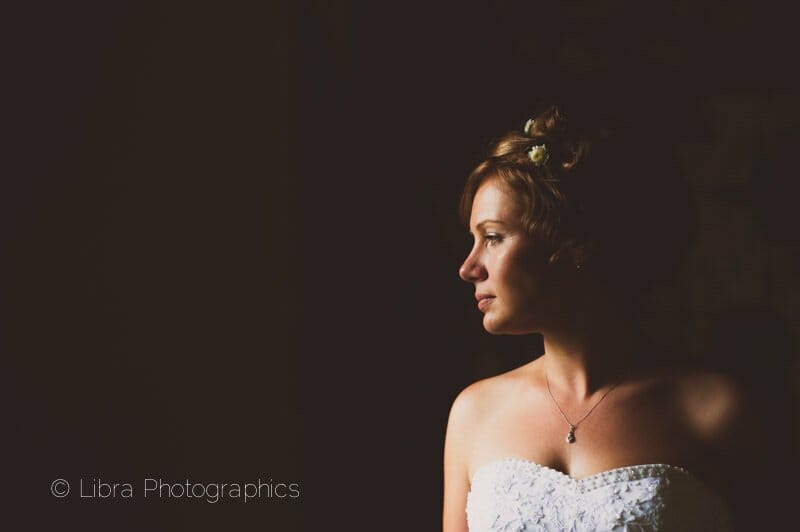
513,494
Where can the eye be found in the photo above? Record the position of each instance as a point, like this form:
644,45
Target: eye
492,239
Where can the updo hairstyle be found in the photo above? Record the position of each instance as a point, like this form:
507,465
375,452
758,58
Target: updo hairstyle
609,198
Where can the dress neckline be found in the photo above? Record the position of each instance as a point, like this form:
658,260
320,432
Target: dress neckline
629,470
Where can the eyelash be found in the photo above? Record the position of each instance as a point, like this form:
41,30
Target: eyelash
492,239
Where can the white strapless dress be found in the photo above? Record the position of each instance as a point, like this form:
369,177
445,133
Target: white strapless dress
513,494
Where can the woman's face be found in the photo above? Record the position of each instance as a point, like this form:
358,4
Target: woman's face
509,273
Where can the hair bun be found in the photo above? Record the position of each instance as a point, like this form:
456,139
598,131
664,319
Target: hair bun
550,128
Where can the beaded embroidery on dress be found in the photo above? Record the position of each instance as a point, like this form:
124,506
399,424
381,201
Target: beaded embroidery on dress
513,494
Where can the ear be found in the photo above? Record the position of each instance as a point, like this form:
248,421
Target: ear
573,254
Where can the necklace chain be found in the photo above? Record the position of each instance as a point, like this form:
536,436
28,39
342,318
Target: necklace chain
574,426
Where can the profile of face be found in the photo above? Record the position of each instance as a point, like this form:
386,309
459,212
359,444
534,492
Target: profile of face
511,273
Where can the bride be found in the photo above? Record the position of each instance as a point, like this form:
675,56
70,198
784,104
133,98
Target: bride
594,434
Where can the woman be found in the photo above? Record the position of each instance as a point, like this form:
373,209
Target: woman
592,435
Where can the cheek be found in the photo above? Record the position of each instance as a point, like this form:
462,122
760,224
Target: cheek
510,276
525,277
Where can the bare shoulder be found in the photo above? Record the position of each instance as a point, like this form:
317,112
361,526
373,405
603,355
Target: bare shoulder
467,415
478,400
715,406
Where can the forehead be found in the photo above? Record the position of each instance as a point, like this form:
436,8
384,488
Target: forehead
494,200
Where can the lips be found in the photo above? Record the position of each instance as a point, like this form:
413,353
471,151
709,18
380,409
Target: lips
484,300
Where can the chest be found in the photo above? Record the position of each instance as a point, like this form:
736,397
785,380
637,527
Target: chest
629,429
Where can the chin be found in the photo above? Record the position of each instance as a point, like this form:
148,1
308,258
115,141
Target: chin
498,327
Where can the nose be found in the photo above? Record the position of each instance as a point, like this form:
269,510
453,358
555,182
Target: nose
472,270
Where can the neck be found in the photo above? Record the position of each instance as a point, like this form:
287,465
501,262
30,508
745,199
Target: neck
593,349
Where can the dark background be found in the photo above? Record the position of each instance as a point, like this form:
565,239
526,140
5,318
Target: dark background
233,241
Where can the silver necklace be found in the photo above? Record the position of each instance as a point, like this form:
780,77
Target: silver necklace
574,426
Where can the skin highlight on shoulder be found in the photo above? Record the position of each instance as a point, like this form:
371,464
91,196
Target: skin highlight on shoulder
481,398
714,406
471,407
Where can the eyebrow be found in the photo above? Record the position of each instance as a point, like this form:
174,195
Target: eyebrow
479,225
485,222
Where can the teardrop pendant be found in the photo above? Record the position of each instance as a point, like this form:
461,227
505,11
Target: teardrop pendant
571,435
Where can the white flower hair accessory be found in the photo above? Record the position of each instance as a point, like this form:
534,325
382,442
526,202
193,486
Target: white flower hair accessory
528,126
538,154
